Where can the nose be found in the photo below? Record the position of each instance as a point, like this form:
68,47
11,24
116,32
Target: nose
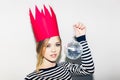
53,49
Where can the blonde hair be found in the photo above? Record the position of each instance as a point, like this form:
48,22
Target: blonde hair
40,48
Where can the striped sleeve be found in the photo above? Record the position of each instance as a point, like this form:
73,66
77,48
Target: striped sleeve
87,66
87,61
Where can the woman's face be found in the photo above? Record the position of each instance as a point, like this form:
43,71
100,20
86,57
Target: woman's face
53,49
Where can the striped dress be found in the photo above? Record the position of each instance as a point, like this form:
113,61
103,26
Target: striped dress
63,71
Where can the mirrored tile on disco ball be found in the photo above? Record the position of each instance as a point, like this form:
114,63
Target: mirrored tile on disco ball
73,50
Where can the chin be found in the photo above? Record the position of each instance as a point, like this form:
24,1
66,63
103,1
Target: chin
53,60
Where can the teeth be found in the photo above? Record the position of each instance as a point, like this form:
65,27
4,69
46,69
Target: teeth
53,55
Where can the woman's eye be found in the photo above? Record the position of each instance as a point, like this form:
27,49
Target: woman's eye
48,45
58,44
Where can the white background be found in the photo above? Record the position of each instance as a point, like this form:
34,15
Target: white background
17,46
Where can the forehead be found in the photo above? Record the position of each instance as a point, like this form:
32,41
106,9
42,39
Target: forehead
54,39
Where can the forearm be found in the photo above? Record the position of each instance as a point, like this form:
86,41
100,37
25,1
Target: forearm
86,58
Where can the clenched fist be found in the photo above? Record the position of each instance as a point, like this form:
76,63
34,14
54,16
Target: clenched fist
79,29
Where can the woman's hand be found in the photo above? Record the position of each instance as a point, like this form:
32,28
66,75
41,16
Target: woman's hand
79,29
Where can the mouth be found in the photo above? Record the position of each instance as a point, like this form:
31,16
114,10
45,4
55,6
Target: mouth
53,55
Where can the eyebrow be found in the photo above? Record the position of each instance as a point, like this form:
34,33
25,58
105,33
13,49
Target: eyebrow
56,42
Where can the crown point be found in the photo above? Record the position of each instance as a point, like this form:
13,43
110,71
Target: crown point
44,25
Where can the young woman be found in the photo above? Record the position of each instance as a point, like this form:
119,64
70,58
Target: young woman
49,48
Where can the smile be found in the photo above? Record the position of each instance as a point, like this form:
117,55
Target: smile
53,55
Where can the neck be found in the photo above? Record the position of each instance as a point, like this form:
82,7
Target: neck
47,64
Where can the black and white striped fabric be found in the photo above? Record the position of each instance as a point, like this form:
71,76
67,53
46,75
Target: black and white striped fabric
63,71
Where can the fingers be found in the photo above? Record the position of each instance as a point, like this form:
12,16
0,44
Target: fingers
79,26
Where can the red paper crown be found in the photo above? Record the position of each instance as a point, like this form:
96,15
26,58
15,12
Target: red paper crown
44,25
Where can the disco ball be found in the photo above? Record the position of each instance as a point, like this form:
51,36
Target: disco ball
73,50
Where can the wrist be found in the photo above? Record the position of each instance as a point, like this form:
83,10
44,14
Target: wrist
80,38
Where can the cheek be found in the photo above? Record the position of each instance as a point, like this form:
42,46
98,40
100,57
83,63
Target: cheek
47,51
59,49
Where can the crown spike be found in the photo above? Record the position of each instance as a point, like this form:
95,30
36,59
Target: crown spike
44,25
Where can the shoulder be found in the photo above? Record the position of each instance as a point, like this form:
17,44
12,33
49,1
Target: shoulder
31,75
64,64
